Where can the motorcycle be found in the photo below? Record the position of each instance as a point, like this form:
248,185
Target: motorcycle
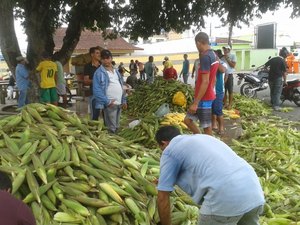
255,81
291,92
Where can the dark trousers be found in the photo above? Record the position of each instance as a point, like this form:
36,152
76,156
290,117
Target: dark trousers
275,91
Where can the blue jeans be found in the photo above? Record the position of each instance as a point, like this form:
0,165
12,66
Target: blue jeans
275,91
185,78
150,79
23,98
142,75
112,116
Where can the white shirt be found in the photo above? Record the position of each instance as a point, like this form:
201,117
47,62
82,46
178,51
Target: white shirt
232,58
114,90
196,68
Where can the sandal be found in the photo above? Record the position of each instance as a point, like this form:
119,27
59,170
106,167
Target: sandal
215,129
221,133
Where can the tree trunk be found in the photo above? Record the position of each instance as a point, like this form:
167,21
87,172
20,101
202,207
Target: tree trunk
39,37
39,29
72,36
230,34
8,39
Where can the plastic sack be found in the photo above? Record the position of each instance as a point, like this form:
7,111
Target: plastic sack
179,99
162,110
134,123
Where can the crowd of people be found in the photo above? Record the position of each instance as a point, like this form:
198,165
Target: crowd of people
50,76
225,185
186,158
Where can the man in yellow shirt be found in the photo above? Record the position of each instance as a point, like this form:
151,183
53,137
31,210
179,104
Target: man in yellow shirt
48,74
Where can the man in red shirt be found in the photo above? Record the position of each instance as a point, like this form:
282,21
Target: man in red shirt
12,210
200,109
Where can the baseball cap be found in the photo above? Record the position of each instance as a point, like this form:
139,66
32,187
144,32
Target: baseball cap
227,47
105,54
20,58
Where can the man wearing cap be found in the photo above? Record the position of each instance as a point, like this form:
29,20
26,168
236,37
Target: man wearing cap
230,60
48,77
108,92
22,80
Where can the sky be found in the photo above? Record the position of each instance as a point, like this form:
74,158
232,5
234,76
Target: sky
285,26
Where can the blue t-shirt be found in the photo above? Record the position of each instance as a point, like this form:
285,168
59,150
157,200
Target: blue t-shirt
220,80
22,74
185,66
212,173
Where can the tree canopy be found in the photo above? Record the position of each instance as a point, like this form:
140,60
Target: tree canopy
132,18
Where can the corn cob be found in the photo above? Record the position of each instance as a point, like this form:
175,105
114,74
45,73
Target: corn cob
109,210
66,218
111,192
76,206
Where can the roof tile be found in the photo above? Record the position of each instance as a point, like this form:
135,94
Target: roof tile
89,39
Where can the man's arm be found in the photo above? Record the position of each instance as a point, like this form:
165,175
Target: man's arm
230,63
98,90
201,93
222,68
164,211
193,71
225,78
284,77
284,70
182,69
124,99
55,77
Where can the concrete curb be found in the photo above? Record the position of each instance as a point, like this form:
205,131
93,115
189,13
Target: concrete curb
4,112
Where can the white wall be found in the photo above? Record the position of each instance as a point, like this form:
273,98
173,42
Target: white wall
167,47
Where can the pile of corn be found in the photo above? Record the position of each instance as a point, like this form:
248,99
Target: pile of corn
144,132
232,114
149,97
71,172
175,119
272,147
249,107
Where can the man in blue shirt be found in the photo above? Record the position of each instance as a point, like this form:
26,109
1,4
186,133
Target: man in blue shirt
185,69
22,79
225,185
217,106
108,93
